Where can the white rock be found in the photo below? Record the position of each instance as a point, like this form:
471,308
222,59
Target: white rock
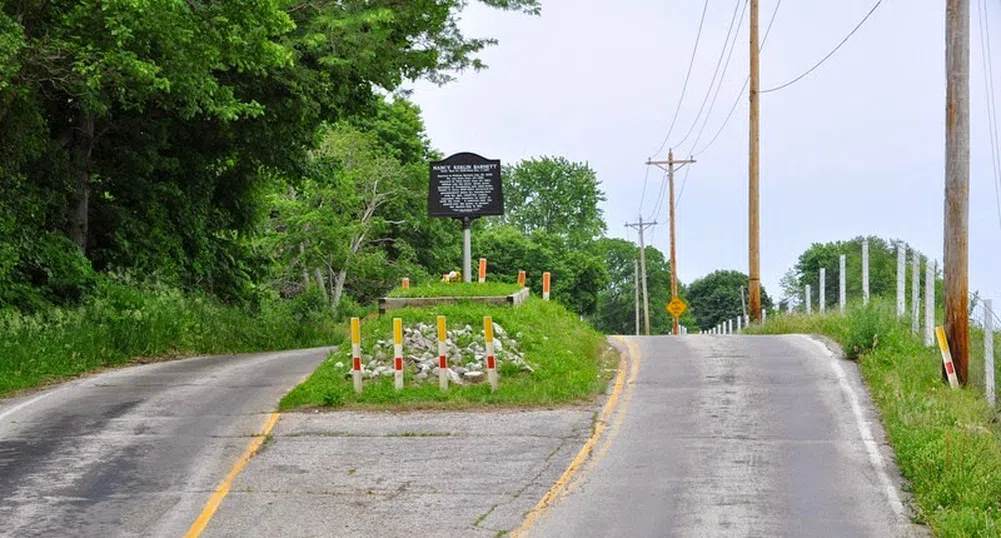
339,365
473,377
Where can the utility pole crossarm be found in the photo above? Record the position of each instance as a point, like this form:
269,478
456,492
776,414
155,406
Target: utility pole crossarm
672,165
641,227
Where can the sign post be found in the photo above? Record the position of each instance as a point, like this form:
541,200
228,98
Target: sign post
465,186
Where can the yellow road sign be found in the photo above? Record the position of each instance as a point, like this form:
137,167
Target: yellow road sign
677,307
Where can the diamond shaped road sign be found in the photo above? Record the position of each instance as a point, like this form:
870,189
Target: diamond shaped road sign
677,307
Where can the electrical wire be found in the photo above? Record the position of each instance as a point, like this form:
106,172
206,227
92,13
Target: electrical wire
646,177
747,80
681,192
992,110
684,87
716,72
719,87
825,58
660,201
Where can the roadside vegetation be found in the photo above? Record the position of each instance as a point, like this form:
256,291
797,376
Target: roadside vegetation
458,289
947,442
122,323
572,362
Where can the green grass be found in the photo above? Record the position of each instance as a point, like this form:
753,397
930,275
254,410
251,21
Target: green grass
120,324
946,441
568,357
458,289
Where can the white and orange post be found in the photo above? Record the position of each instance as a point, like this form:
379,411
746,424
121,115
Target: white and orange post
398,351
406,283
488,333
356,353
950,368
483,270
545,286
521,279
442,354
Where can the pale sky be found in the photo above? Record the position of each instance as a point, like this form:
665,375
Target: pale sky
855,148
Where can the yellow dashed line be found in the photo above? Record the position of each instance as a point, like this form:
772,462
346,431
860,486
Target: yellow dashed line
220,493
585,451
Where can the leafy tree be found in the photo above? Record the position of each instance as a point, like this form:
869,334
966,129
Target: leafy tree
554,195
577,276
716,297
616,302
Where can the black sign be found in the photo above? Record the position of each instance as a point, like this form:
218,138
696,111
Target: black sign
465,185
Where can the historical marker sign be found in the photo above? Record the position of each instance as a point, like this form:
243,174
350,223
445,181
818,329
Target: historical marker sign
465,186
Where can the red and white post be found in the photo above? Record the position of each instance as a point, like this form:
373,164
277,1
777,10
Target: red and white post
488,332
545,286
950,368
406,283
356,353
483,270
398,352
442,354
521,279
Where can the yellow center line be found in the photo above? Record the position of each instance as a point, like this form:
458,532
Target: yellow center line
631,357
223,489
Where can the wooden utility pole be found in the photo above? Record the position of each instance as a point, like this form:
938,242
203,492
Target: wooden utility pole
642,226
636,292
753,246
957,184
672,166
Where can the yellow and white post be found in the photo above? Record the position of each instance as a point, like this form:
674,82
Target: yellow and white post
950,369
488,332
483,270
521,279
398,351
406,283
442,354
356,353
545,286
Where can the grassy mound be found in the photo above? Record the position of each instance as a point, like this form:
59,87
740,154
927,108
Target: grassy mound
458,289
569,359
947,442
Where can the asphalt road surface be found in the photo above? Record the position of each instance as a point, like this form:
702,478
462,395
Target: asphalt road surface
138,451
737,437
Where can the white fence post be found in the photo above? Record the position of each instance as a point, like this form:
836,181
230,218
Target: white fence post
901,276
865,272
789,304
989,353
841,284
929,302
822,292
740,319
764,315
809,300
916,293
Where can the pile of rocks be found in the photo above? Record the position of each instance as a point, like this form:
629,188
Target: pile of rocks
467,354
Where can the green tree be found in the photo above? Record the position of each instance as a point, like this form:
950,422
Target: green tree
716,297
554,195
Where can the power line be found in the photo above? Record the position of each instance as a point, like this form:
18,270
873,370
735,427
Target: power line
712,105
684,181
684,87
988,64
736,102
646,177
719,63
660,200
825,58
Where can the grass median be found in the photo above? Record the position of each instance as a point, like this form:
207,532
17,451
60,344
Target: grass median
947,442
571,361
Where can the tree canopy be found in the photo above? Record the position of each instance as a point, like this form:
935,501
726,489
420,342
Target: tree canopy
716,297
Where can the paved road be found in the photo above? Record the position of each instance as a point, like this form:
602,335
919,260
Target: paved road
135,452
736,437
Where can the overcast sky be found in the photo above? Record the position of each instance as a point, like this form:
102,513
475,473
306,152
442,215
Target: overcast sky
855,148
